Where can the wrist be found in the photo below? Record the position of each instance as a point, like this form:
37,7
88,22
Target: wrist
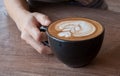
20,14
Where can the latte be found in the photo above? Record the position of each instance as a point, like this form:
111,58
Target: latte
75,29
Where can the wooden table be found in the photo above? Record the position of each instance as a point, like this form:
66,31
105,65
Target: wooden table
19,59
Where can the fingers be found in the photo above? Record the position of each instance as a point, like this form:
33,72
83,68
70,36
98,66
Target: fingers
43,19
36,45
32,27
31,34
34,32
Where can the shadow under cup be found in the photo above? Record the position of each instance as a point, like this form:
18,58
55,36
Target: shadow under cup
75,53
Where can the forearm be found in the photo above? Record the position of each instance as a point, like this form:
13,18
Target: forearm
85,2
16,8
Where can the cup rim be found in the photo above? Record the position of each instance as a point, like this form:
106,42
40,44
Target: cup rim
62,40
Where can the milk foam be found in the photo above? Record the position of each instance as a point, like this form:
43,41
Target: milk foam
75,28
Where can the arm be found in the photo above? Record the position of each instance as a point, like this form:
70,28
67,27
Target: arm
27,23
16,9
94,3
85,2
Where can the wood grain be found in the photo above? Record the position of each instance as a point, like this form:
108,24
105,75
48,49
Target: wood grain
19,59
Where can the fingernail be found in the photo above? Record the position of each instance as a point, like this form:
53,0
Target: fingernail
47,22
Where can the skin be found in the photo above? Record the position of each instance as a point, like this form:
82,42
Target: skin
28,24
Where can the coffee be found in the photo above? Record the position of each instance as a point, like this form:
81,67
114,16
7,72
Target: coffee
75,29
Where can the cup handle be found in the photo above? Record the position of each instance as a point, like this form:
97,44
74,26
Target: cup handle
44,29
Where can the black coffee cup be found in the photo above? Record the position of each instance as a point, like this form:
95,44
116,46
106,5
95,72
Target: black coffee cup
74,53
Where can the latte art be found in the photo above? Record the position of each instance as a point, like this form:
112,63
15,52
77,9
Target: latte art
75,28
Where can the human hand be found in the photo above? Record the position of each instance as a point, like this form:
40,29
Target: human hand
30,32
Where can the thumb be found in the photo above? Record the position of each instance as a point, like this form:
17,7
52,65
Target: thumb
42,19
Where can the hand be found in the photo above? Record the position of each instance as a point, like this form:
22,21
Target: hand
30,32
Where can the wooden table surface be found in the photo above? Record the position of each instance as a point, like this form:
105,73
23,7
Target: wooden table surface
19,59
